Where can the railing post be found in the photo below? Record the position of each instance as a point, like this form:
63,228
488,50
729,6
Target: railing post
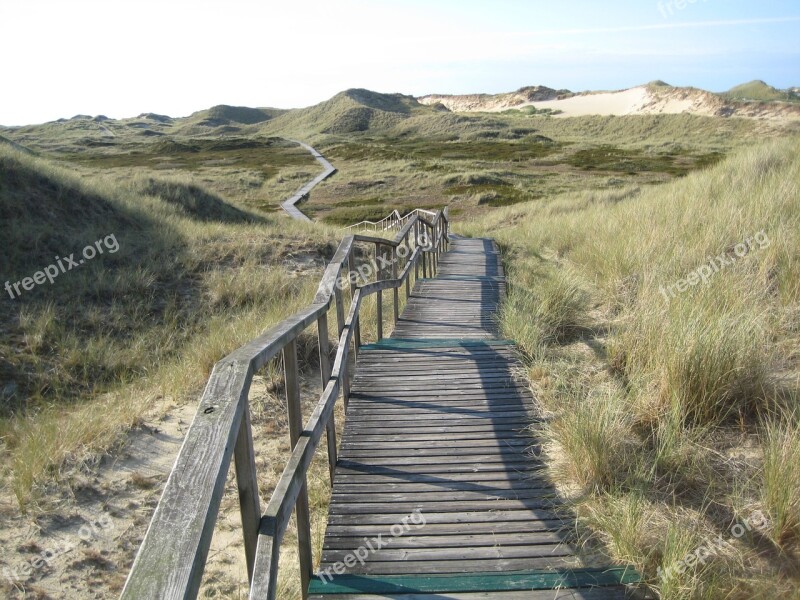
325,374
247,486
408,257
351,266
295,414
379,295
340,327
396,289
416,245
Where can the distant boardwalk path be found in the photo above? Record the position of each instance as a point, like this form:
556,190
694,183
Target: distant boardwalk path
436,449
290,204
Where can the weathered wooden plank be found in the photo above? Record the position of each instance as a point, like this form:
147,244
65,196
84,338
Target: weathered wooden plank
353,508
457,534
404,487
463,553
435,468
518,443
449,518
442,495
466,566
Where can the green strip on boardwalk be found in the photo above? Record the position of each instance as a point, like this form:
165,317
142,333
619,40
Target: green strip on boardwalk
470,582
421,343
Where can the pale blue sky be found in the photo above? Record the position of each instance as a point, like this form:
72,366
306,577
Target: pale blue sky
121,57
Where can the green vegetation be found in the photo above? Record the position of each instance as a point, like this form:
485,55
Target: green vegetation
672,417
532,110
194,277
630,162
758,91
261,155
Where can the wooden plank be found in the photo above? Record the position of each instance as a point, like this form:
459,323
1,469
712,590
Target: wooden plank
487,486
357,508
442,495
464,553
423,567
516,443
521,514
434,468
451,534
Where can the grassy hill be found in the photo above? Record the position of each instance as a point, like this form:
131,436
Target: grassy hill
661,331
175,277
759,91
351,111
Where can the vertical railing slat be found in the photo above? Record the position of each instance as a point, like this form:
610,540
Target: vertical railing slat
247,484
325,375
351,266
379,294
340,318
295,414
395,291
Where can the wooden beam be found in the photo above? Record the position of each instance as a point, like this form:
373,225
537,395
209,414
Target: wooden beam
340,327
395,294
247,485
295,414
379,298
325,373
351,265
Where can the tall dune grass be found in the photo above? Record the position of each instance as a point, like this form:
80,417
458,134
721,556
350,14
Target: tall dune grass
195,277
670,385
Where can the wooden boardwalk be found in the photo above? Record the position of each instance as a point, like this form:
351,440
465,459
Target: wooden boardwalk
436,493
290,204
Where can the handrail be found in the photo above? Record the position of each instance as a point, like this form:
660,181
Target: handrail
391,221
171,559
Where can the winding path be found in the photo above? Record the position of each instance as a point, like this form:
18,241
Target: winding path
290,204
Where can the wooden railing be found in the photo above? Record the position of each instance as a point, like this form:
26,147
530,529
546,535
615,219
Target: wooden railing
392,221
172,557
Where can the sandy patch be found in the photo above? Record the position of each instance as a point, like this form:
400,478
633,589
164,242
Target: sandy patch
84,547
603,103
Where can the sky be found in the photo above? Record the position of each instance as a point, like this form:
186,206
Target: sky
121,58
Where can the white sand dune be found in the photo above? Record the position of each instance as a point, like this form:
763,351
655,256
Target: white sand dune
600,103
641,100
635,101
